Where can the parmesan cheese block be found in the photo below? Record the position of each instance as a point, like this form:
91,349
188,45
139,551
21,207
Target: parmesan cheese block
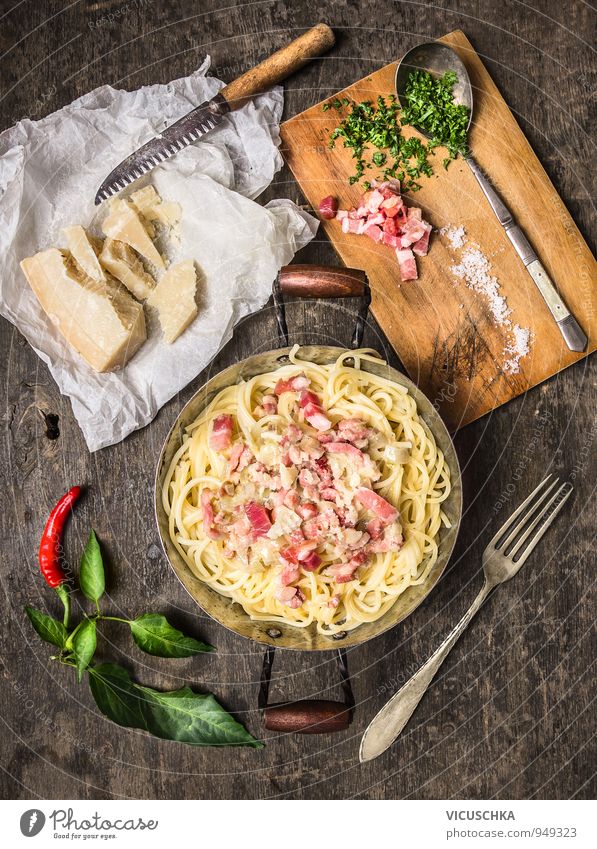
98,318
83,250
123,224
175,299
122,263
151,206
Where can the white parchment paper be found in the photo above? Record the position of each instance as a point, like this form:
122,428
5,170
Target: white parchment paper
49,173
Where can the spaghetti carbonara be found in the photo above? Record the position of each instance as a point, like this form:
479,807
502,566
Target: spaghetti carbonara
311,494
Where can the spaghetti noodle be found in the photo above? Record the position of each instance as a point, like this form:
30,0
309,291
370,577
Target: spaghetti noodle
310,494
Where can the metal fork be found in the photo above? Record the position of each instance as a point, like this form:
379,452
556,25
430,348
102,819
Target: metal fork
502,559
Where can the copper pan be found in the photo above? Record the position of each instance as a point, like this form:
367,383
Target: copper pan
307,281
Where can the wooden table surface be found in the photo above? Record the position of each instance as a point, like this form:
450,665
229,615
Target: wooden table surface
510,714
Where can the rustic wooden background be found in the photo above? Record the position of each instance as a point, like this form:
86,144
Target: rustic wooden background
510,715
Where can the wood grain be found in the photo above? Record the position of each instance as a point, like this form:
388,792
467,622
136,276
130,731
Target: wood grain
443,332
510,715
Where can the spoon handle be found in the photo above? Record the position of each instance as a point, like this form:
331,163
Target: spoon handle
394,715
573,335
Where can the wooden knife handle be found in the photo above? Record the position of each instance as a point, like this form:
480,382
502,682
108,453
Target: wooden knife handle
279,65
309,716
321,281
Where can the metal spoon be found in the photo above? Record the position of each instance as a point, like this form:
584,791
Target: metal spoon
438,58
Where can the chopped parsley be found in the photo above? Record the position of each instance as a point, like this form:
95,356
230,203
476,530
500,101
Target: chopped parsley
368,125
431,107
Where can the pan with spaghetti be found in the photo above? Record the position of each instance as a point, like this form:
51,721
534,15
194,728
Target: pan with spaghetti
309,497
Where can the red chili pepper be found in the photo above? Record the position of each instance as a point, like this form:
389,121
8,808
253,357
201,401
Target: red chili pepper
49,548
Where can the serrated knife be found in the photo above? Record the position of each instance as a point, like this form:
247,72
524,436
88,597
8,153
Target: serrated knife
204,118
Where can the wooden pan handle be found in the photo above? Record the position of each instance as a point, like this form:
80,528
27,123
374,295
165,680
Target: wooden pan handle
279,65
309,716
322,281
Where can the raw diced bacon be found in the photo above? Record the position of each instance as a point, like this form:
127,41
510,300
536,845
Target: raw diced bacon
208,514
289,574
279,497
305,549
328,207
311,562
235,455
293,384
346,448
294,455
376,218
270,404
343,572
372,200
391,241
374,528
285,594
316,417
389,226
407,263
341,214
351,225
313,529
401,216
353,430
221,433
308,478
307,510
328,493
390,541
296,537
246,458
290,596
421,247
414,213
293,434
308,397
376,504
374,232
291,499
259,519
391,201
324,471
413,232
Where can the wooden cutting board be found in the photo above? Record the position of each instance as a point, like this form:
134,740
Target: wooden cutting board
444,332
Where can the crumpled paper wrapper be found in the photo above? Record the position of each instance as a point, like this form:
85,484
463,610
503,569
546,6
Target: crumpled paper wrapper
49,173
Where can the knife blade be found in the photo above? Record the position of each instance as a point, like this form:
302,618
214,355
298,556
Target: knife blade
177,136
208,115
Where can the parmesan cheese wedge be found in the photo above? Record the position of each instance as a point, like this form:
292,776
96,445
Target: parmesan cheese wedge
122,263
150,205
83,250
123,224
98,318
175,299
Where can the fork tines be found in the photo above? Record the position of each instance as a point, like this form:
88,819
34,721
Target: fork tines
535,514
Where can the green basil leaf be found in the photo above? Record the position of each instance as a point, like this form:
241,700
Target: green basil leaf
193,718
181,715
91,577
84,642
48,628
155,635
116,695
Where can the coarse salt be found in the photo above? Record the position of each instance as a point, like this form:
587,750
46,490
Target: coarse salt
517,348
474,268
455,235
